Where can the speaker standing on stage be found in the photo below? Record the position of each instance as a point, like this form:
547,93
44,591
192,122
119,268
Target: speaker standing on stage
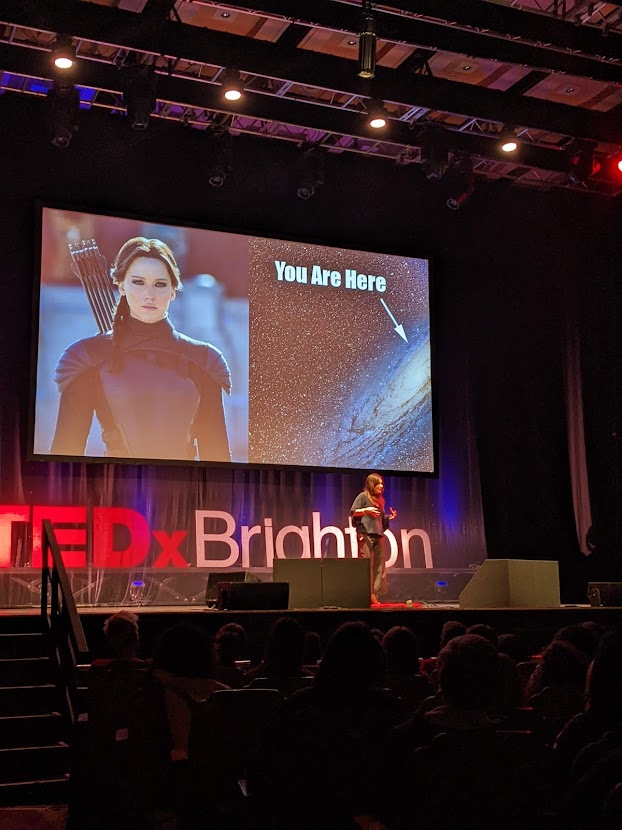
371,521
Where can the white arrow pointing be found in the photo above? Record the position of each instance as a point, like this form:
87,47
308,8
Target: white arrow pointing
399,328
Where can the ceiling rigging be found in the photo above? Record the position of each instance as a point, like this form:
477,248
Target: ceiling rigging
545,74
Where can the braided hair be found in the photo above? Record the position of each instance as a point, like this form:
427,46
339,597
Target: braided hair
138,246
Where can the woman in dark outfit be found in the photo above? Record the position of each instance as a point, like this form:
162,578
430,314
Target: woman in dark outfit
371,521
156,393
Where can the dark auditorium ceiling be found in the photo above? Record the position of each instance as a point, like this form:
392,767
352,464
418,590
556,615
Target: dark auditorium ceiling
550,69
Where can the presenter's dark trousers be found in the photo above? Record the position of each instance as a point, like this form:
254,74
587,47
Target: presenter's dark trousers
371,546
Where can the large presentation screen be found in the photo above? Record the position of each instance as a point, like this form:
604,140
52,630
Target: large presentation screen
168,343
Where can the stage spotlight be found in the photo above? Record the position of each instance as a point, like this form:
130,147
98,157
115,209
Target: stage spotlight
435,153
312,173
63,54
613,166
460,182
376,114
507,141
63,102
139,94
583,163
219,165
367,42
232,88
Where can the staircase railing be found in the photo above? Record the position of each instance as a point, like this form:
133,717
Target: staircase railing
61,621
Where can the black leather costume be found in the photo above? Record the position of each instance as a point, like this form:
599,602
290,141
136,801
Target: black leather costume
157,395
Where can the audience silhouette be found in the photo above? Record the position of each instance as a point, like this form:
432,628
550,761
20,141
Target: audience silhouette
356,738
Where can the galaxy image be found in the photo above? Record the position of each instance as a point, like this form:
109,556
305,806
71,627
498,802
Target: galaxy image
340,358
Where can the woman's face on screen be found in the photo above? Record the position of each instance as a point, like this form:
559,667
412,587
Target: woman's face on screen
148,289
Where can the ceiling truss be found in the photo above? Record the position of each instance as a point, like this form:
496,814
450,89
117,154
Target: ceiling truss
305,96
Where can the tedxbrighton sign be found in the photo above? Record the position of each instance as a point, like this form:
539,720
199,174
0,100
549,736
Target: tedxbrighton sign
120,537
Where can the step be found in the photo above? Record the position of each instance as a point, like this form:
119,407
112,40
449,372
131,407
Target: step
29,793
28,700
25,671
22,645
30,730
12,622
32,763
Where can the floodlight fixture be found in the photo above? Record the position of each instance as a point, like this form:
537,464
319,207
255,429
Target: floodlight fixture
232,88
376,114
460,182
312,172
367,42
435,152
63,102
507,140
583,162
219,165
63,54
139,93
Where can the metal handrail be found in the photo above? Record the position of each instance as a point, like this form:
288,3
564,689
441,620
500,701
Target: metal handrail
60,619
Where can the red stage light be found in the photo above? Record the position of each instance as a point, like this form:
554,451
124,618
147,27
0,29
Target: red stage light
614,165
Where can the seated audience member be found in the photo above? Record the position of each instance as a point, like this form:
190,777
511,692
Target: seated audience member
563,667
403,679
603,701
468,676
612,809
582,636
556,688
457,764
120,745
322,752
312,651
450,630
427,666
515,648
485,631
590,801
510,694
122,639
230,646
468,673
282,664
182,663
598,631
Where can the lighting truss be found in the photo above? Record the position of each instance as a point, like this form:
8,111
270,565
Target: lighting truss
332,117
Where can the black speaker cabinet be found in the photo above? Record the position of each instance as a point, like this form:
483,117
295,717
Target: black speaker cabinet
258,596
605,594
214,578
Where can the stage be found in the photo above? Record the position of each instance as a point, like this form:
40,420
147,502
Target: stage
422,599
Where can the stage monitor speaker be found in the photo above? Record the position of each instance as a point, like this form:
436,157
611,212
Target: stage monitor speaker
214,578
513,583
259,596
346,583
305,581
605,594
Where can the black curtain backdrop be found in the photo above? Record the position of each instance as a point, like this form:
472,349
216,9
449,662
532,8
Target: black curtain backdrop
510,270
